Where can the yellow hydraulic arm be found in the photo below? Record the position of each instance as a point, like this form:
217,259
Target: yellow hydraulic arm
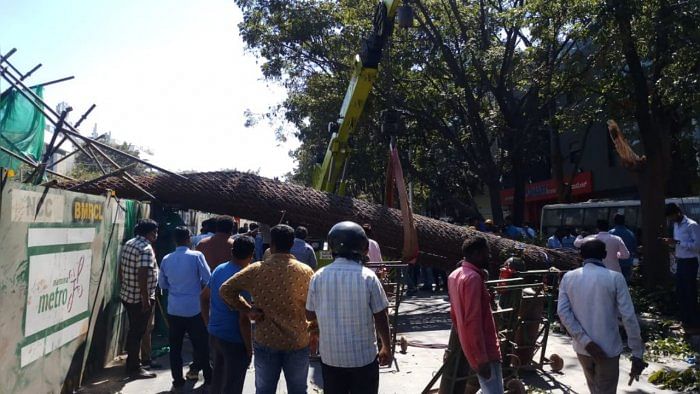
329,175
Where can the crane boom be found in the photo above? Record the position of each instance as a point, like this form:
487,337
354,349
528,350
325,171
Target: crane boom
328,176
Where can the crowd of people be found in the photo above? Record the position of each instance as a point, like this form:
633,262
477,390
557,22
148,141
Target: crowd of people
216,292
220,288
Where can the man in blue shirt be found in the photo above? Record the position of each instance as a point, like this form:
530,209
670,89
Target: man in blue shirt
183,273
630,242
568,241
254,231
302,251
230,331
512,231
208,229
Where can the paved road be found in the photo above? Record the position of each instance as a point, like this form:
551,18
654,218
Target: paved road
425,324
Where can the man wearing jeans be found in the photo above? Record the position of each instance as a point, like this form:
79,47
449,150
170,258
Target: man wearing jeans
229,330
183,273
591,299
349,302
470,310
279,286
686,240
139,277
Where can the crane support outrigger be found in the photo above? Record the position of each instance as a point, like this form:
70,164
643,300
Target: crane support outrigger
329,175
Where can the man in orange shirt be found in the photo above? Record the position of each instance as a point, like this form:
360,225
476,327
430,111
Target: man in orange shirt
472,317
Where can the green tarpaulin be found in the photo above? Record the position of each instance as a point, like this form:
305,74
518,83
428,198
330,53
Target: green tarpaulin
21,128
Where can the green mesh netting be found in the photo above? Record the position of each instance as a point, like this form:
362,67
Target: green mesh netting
21,128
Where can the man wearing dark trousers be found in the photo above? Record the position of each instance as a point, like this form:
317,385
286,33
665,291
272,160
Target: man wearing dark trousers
230,331
183,273
278,287
686,244
139,277
350,305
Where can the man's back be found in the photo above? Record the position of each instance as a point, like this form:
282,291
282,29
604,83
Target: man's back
183,273
216,249
627,237
304,253
345,296
136,253
614,247
375,253
278,286
223,321
595,297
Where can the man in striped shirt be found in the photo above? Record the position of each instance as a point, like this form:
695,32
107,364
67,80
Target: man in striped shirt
349,302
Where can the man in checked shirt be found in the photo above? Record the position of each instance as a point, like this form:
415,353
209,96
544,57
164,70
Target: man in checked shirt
347,306
138,274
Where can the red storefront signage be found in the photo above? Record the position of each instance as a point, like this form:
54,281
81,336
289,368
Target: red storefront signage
547,190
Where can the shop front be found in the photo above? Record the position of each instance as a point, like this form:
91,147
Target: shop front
539,194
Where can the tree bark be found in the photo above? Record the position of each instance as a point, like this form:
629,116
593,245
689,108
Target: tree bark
494,186
656,141
269,201
557,161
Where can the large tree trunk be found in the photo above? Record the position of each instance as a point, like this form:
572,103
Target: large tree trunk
654,133
557,163
268,201
651,192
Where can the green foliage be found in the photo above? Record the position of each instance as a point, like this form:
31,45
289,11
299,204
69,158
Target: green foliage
659,301
85,168
482,86
676,348
686,381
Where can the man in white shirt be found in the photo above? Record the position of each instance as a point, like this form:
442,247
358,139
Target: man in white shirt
686,240
614,245
591,299
347,305
374,253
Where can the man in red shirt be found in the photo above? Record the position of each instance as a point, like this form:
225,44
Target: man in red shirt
472,317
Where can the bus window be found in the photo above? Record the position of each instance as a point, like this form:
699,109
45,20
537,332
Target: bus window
572,217
551,221
692,210
631,217
592,215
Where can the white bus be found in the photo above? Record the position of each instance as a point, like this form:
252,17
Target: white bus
584,215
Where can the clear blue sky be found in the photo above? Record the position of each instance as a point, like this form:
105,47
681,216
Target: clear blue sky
169,75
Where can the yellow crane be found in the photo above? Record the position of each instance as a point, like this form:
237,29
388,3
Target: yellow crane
329,175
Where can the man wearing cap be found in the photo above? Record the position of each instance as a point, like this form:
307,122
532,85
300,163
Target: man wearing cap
348,303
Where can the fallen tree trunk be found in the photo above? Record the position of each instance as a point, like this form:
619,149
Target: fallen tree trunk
270,201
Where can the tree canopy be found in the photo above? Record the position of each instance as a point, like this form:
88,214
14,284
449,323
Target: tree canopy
484,88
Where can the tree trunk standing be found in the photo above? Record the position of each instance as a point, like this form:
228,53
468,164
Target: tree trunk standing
494,186
652,186
655,139
557,163
518,188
